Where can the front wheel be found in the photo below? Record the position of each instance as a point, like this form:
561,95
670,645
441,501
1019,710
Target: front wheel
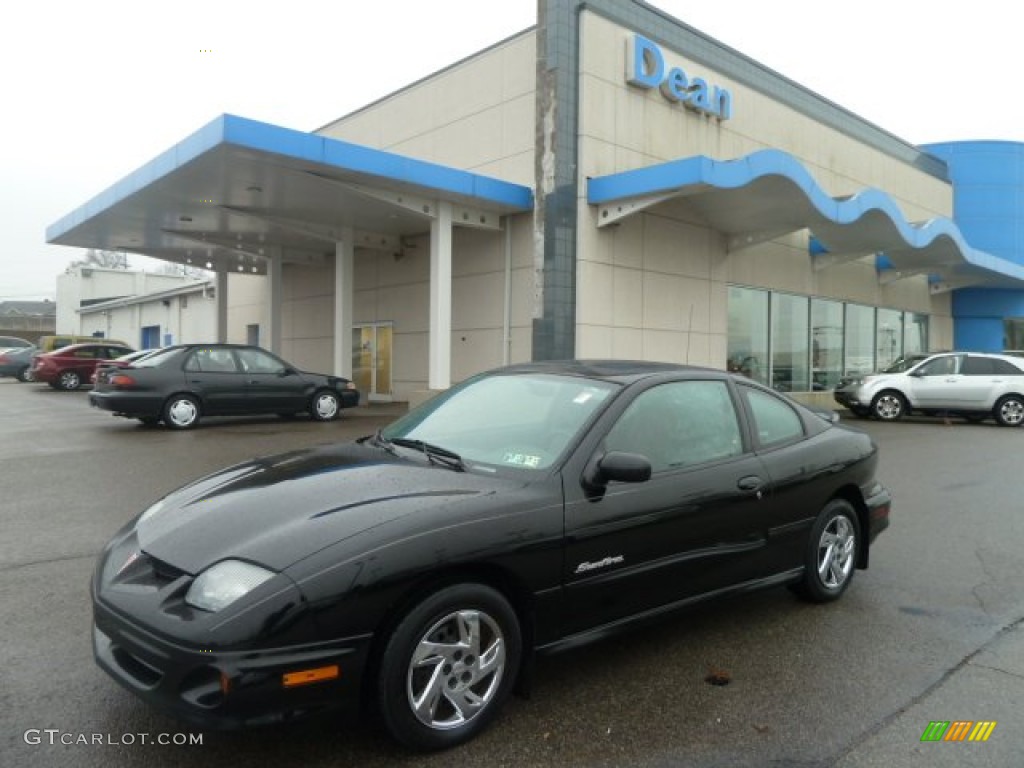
889,406
25,375
1009,411
448,667
181,412
831,556
325,406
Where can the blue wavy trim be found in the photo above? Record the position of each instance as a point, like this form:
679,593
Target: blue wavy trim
833,220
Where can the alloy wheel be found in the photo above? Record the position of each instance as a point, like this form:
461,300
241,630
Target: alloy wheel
837,550
456,669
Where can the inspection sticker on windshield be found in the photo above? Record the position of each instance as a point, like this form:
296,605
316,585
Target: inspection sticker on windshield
522,460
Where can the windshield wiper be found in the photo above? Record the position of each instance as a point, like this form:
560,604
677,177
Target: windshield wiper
378,440
435,454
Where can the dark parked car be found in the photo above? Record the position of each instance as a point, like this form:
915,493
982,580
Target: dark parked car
17,362
181,384
525,510
71,367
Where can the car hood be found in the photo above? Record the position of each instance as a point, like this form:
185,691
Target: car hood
280,509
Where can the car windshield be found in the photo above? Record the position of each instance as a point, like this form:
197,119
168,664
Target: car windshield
902,364
514,421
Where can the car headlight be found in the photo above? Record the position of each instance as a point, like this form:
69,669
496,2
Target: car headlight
222,584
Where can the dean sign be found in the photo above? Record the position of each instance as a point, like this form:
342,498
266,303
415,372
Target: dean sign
646,68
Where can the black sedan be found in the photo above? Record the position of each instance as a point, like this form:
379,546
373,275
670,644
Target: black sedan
179,385
415,572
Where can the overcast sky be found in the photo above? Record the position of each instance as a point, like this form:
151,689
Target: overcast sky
93,90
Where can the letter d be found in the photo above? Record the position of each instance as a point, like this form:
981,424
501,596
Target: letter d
645,66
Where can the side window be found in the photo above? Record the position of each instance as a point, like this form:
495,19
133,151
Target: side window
212,361
86,353
1005,368
978,366
679,424
941,366
775,421
258,361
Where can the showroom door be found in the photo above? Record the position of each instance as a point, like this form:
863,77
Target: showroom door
371,361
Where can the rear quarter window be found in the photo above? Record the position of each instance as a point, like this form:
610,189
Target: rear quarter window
774,421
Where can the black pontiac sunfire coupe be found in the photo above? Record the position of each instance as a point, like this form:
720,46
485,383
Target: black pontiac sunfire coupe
414,572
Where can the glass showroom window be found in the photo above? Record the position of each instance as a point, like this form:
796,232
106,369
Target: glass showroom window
915,333
826,344
748,333
888,337
789,349
860,339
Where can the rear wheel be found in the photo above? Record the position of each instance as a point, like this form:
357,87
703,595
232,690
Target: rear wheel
181,412
70,380
325,406
25,374
832,549
889,406
1009,411
448,666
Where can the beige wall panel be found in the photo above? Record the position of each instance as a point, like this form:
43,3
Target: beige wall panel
407,306
593,341
522,297
676,303
594,293
475,351
627,343
521,344
470,115
478,301
477,251
627,298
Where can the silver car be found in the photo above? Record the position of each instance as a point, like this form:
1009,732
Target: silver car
973,385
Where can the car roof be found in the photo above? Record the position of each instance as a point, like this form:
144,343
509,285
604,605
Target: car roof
619,371
99,343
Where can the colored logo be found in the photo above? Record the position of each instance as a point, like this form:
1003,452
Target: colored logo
958,730
646,68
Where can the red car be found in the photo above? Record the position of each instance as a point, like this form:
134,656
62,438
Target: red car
71,367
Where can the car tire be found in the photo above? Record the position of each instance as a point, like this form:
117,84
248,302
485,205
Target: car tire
889,405
831,557
25,375
448,666
325,406
1009,411
181,412
69,381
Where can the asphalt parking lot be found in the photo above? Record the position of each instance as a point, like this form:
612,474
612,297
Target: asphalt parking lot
931,632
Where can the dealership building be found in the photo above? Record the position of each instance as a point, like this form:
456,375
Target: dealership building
610,183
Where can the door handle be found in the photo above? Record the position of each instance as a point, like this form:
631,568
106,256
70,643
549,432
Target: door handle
750,483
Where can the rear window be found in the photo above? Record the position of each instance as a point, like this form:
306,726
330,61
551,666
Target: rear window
157,358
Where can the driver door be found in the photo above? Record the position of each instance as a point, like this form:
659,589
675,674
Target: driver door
697,525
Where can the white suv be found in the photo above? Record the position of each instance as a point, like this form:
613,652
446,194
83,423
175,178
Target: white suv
973,385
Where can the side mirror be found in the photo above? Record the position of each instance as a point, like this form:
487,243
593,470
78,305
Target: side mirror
617,466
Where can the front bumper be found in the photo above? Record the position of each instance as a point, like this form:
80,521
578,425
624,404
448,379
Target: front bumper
215,689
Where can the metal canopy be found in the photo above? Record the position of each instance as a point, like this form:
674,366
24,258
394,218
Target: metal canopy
237,192
769,193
